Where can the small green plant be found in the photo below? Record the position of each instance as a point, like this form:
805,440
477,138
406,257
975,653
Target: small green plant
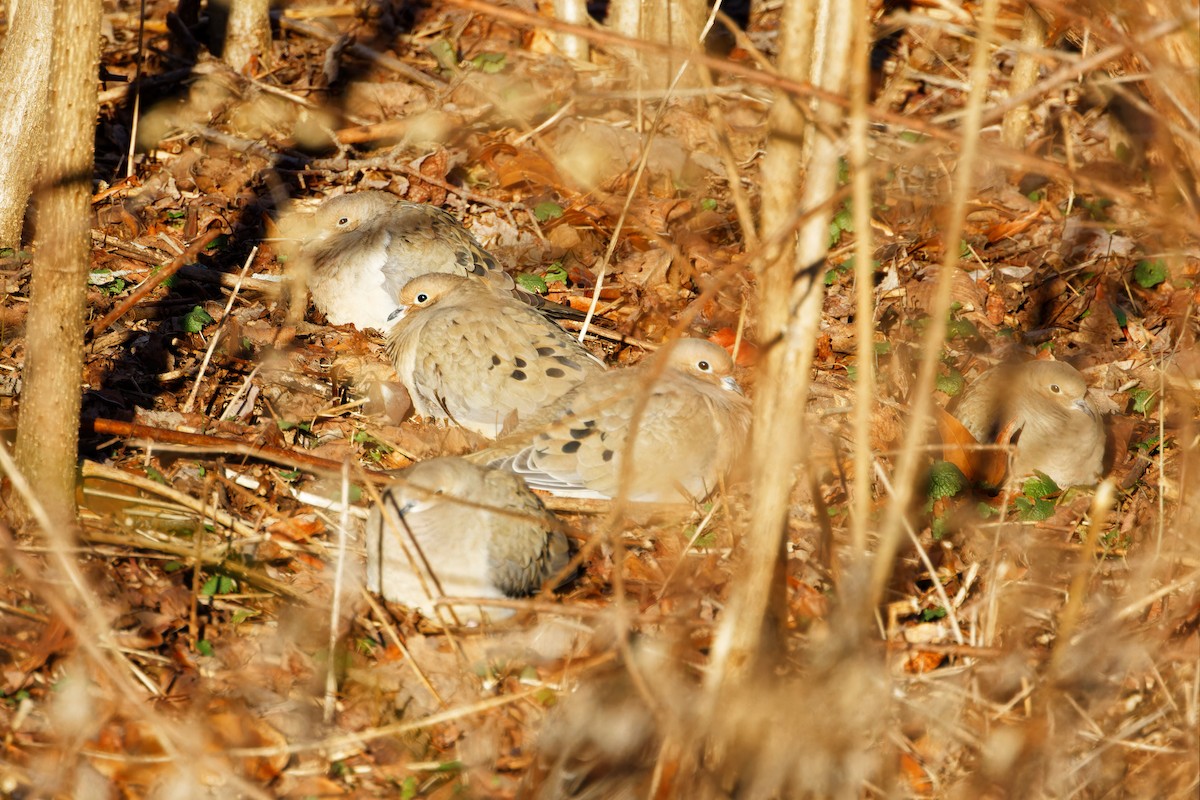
375,449
842,221
444,53
706,539
195,320
961,329
845,268
540,284
1033,504
832,275
547,210
1149,274
1115,540
532,283
945,481
490,63
951,383
109,283
1144,401
218,584
1150,444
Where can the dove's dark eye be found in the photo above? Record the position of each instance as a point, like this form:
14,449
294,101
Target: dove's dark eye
344,221
1054,388
704,366
422,298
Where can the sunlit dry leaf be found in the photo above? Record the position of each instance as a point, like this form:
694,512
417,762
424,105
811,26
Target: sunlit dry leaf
236,727
915,774
980,466
957,442
1008,229
299,528
517,167
747,355
55,639
434,166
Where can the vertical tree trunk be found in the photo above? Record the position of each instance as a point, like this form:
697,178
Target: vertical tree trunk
48,427
24,83
677,23
248,34
1024,75
574,12
791,288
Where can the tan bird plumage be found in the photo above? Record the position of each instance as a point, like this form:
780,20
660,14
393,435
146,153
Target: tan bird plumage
1045,404
365,246
501,543
693,421
480,358
362,248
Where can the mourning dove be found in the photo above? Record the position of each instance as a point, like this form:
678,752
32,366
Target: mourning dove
1045,407
366,241
501,542
480,358
363,248
691,420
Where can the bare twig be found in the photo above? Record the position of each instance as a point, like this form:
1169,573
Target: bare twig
154,280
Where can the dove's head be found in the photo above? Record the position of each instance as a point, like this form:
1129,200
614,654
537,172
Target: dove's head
704,361
349,212
427,290
1056,389
425,483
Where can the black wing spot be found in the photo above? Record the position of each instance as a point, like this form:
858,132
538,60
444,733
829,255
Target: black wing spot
607,455
555,372
567,362
520,362
545,351
582,433
571,447
519,375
